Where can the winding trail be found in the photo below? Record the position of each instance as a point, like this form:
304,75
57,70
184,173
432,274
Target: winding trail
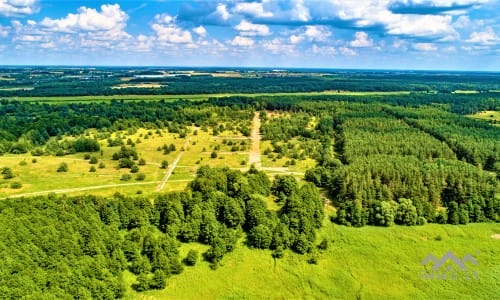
172,166
79,189
254,153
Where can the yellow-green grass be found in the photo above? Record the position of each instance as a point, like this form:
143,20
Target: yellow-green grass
489,115
360,263
465,92
193,97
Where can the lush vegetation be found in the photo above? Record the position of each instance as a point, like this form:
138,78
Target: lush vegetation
365,159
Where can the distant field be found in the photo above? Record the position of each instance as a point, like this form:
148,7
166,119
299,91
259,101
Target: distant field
488,115
360,263
193,97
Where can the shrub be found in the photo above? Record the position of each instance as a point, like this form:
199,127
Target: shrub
134,169
16,185
101,165
92,169
140,177
164,164
126,177
191,258
63,167
23,163
86,156
93,160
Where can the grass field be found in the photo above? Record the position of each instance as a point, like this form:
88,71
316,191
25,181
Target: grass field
193,97
488,115
360,263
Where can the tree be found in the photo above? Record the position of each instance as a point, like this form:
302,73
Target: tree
406,213
260,236
164,164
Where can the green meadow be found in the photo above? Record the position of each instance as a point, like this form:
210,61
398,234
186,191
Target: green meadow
360,263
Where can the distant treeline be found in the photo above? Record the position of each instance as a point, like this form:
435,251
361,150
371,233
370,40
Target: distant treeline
378,82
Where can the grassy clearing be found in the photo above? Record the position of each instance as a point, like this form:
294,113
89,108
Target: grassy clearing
360,263
488,115
193,97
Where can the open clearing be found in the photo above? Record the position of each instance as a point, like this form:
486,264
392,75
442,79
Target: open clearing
360,263
193,97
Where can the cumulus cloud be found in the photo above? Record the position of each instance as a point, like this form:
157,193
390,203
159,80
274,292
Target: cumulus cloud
200,30
111,17
172,34
485,38
426,47
361,40
253,9
241,41
11,8
311,33
248,29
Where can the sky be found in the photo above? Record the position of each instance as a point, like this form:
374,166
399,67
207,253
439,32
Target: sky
358,34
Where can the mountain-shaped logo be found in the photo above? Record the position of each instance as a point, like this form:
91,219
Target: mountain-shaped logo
449,266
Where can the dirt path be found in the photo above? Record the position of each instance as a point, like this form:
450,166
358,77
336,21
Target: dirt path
79,189
254,153
171,167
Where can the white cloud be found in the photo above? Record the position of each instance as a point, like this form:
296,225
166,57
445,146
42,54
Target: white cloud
164,19
424,47
300,12
278,46
200,30
295,39
110,18
347,51
422,26
361,40
241,41
222,12
248,29
486,38
11,8
323,50
4,31
253,9
172,34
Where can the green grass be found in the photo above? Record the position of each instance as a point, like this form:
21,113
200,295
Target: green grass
193,97
362,263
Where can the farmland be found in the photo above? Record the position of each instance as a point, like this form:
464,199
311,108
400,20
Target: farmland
323,192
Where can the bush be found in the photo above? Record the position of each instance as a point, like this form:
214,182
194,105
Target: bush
63,167
93,160
23,163
126,177
164,164
7,173
140,177
34,160
134,169
92,169
213,154
16,185
86,156
141,162
191,258
102,165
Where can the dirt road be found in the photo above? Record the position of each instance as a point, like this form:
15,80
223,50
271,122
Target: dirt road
254,153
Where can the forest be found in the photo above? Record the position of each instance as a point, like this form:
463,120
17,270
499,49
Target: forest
380,160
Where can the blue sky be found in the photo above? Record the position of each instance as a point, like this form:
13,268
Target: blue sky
366,34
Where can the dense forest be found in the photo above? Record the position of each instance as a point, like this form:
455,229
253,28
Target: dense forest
77,247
